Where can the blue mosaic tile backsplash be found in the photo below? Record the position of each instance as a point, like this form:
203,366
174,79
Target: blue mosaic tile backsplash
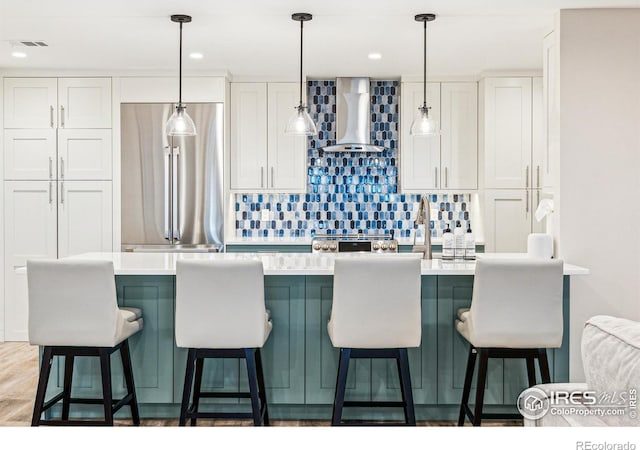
348,192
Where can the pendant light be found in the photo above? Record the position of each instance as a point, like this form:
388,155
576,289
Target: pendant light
180,124
423,125
300,123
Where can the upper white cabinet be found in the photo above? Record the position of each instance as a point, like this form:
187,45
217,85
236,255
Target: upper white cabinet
30,154
30,103
57,103
419,155
84,154
551,110
459,135
84,102
448,160
507,132
263,157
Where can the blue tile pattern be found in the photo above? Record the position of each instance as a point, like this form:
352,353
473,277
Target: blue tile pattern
348,192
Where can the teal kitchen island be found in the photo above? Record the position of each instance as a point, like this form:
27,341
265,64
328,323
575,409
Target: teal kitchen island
300,363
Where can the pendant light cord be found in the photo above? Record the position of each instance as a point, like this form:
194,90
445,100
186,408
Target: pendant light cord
424,85
180,70
301,26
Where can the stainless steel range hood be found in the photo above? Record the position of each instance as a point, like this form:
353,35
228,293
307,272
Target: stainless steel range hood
353,117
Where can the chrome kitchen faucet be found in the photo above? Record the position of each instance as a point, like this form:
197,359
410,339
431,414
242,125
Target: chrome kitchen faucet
423,210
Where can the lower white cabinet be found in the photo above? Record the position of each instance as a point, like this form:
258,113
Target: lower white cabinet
49,219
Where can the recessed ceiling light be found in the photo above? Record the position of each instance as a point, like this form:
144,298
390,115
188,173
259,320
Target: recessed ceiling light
375,55
196,55
18,54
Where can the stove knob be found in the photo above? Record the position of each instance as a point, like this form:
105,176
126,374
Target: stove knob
316,246
325,247
333,247
392,246
384,246
376,246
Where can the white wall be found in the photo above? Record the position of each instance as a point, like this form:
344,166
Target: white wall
599,192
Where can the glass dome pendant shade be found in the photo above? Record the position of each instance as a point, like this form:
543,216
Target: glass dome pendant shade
423,125
300,123
180,124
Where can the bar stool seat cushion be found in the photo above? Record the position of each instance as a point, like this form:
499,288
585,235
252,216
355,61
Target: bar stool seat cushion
131,314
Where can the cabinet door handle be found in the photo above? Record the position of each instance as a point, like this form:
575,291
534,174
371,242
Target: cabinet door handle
527,196
50,167
446,177
261,176
50,192
537,197
51,116
61,167
61,116
62,193
272,185
538,176
436,176
527,178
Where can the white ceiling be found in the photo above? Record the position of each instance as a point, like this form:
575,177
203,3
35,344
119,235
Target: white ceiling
257,38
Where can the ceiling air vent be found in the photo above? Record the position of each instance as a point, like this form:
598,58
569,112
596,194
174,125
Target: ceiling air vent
30,43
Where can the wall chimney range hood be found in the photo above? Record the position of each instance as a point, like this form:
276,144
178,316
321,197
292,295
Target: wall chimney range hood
353,117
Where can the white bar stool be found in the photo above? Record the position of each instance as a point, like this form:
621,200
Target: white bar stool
220,313
73,312
375,314
516,312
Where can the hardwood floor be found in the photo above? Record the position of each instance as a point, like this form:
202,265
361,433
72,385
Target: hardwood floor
19,377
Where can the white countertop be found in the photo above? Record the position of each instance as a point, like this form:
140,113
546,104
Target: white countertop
157,263
307,241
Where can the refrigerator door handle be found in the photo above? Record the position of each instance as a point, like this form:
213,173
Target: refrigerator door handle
168,194
176,194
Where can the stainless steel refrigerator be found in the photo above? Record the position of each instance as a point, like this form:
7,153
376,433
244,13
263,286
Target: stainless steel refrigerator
172,187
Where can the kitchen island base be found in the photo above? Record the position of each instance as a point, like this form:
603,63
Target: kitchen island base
300,364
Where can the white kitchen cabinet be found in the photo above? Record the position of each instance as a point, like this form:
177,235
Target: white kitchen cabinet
263,158
30,232
29,154
507,219
84,102
538,135
57,103
507,132
84,154
30,102
419,155
84,217
551,110
459,136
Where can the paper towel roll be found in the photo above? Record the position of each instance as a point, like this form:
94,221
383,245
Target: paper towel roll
540,245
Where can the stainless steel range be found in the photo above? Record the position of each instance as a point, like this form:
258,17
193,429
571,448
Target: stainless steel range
382,243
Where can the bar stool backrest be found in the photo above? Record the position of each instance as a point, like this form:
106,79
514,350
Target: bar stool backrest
220,304
376,302
72,303
517,303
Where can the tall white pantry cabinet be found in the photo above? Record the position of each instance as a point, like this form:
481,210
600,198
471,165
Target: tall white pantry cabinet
57,154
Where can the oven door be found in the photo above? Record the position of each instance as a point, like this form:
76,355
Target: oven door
354,246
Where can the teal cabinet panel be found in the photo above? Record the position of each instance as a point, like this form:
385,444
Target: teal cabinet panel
453,350
283,353
268,248
218,375
423,360
321,357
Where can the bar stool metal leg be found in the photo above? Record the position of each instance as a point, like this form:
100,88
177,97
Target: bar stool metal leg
197,388
68,376
531,370
250,357
482,378
261,389
544,365
341,384
466,391
125,354
186,392
405,386
105,368
43,381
